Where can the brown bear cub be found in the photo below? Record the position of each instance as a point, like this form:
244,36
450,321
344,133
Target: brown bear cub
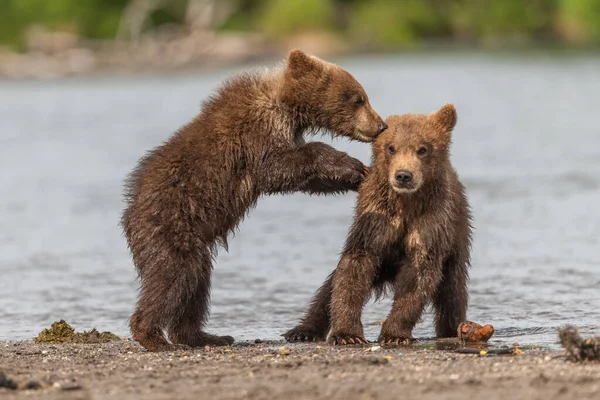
411,233
185,196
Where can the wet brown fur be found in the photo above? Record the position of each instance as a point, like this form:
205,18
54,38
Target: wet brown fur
188,194
414,241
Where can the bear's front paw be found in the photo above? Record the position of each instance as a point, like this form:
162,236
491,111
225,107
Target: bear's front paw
343,339
299,334
347,170
352,170
397,338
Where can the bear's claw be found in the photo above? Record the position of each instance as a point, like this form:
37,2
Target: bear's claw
301,335
347,339
396,340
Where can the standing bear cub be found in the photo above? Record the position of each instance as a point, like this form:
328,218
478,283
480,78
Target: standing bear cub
411,233
186,195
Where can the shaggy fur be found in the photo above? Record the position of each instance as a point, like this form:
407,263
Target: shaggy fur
188,194
411,233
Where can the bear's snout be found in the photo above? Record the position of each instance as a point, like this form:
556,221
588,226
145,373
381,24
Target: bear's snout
403,177
382,127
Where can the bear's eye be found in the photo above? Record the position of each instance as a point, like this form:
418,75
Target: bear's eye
359,100
422,151
391,149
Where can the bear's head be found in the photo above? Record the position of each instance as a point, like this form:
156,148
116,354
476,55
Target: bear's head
325,96
415,148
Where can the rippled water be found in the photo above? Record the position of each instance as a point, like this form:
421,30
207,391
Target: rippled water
527,146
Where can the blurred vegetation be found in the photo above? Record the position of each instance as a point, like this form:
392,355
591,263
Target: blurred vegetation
372,24
284,17
94,19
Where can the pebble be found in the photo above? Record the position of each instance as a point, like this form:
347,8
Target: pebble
32,385
5,382
378,361
284,350
67,386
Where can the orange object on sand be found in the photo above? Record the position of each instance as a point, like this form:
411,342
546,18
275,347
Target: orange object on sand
473,332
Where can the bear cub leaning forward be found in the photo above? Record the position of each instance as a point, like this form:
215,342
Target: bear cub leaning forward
186,195
411,233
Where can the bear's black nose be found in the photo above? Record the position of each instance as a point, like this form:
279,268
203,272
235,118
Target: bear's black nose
382,127
403,176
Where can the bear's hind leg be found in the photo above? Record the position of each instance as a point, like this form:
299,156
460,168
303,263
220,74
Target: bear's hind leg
148,332
451,297
315,324
159,299
186,327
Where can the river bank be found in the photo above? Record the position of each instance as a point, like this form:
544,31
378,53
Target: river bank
53,55
270,370
56,55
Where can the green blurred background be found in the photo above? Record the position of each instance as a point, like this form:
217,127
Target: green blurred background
363,24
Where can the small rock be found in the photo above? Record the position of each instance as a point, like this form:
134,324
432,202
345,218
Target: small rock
71,386
5,382
67,386
257,341
373,348
540,380
563,390
284,350
377,360
32,385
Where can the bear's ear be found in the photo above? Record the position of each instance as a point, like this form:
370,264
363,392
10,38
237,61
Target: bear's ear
300,64
445,117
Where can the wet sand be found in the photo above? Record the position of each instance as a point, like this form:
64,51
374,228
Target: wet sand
123,370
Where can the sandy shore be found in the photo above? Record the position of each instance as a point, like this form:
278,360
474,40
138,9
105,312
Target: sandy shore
123,370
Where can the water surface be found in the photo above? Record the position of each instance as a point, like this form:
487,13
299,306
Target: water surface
527,146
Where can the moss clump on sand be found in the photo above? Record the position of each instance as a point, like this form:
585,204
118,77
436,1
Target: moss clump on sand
62,332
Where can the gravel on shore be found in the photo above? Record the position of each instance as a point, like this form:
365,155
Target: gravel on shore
276,370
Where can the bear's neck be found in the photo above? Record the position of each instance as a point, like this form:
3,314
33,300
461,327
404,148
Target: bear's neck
284,117
252,99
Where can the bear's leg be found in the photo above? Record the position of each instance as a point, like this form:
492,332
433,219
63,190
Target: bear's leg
327,186
147,331
451,297
315,324
414,286
162,295
313,167
352,284
186,327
